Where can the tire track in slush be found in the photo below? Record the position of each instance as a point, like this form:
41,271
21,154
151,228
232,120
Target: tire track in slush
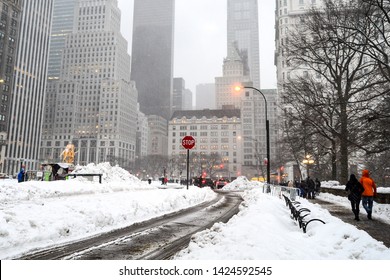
158,238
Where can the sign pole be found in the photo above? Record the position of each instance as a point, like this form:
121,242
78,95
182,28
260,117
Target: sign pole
188,166
188,142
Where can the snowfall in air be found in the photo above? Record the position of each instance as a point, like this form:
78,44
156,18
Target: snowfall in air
37,214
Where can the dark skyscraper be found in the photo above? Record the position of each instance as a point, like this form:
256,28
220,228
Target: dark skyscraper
152,55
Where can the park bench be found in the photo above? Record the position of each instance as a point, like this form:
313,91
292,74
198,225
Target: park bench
87,175
300,214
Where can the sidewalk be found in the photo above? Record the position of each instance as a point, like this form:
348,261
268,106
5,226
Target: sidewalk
376,228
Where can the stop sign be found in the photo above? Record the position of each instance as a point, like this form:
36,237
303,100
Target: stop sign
188,142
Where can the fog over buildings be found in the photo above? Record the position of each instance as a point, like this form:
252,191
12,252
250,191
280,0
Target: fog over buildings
93,104
152,55
205,96
243,28
114,107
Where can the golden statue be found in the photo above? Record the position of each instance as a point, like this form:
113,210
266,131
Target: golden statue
68,154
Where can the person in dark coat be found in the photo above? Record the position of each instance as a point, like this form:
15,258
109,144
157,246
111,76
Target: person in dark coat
310,188
318,185
355,194
303,189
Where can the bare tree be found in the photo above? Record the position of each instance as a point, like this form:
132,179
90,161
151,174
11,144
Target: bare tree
335,84
373,26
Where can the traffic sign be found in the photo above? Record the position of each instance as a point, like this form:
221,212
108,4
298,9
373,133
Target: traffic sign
188,142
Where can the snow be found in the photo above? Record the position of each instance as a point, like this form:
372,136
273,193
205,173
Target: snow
336,185
39,214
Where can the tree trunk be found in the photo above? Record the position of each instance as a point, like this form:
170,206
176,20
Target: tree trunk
334,161
343,144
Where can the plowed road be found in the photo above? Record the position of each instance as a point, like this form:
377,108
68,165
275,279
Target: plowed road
156,239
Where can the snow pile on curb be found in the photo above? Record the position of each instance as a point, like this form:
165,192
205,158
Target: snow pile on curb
241,183
332,184
110,173
114,179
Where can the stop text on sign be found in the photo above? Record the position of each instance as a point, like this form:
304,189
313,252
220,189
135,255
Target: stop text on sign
188,142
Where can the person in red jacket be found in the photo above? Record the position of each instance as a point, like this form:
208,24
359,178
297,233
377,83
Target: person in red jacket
369,192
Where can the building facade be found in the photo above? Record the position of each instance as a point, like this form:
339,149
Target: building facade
28,93
205,97
9,36
152,55
243,28
288,14
158,136
187,99
179,87
142,135
217,134
94,104
182,97
62,26
234,72
254,137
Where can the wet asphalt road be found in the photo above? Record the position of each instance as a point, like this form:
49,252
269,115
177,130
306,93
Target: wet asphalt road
157,239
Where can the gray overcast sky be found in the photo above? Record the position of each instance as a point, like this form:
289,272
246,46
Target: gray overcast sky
200,39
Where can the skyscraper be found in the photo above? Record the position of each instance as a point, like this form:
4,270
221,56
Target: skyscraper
30,84
152,55
243,28
62,26
9,34
94,103
233,73
287,14
179,86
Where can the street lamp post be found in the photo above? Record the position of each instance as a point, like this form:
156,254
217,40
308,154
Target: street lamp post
308,160
238,88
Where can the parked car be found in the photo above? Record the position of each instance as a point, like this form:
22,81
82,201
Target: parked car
204,182
220,183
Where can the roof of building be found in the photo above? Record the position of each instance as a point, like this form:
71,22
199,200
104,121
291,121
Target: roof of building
207,113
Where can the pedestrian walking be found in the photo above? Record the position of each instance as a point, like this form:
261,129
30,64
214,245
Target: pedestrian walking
355,194
310,188
317,186
369,192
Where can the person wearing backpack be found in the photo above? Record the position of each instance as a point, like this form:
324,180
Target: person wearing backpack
355,189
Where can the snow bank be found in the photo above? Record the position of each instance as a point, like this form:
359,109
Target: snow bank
114,179
110,173
37,214
242,183
337,185
264,230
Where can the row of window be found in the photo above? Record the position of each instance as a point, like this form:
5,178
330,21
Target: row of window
207,147
212,133
205,127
